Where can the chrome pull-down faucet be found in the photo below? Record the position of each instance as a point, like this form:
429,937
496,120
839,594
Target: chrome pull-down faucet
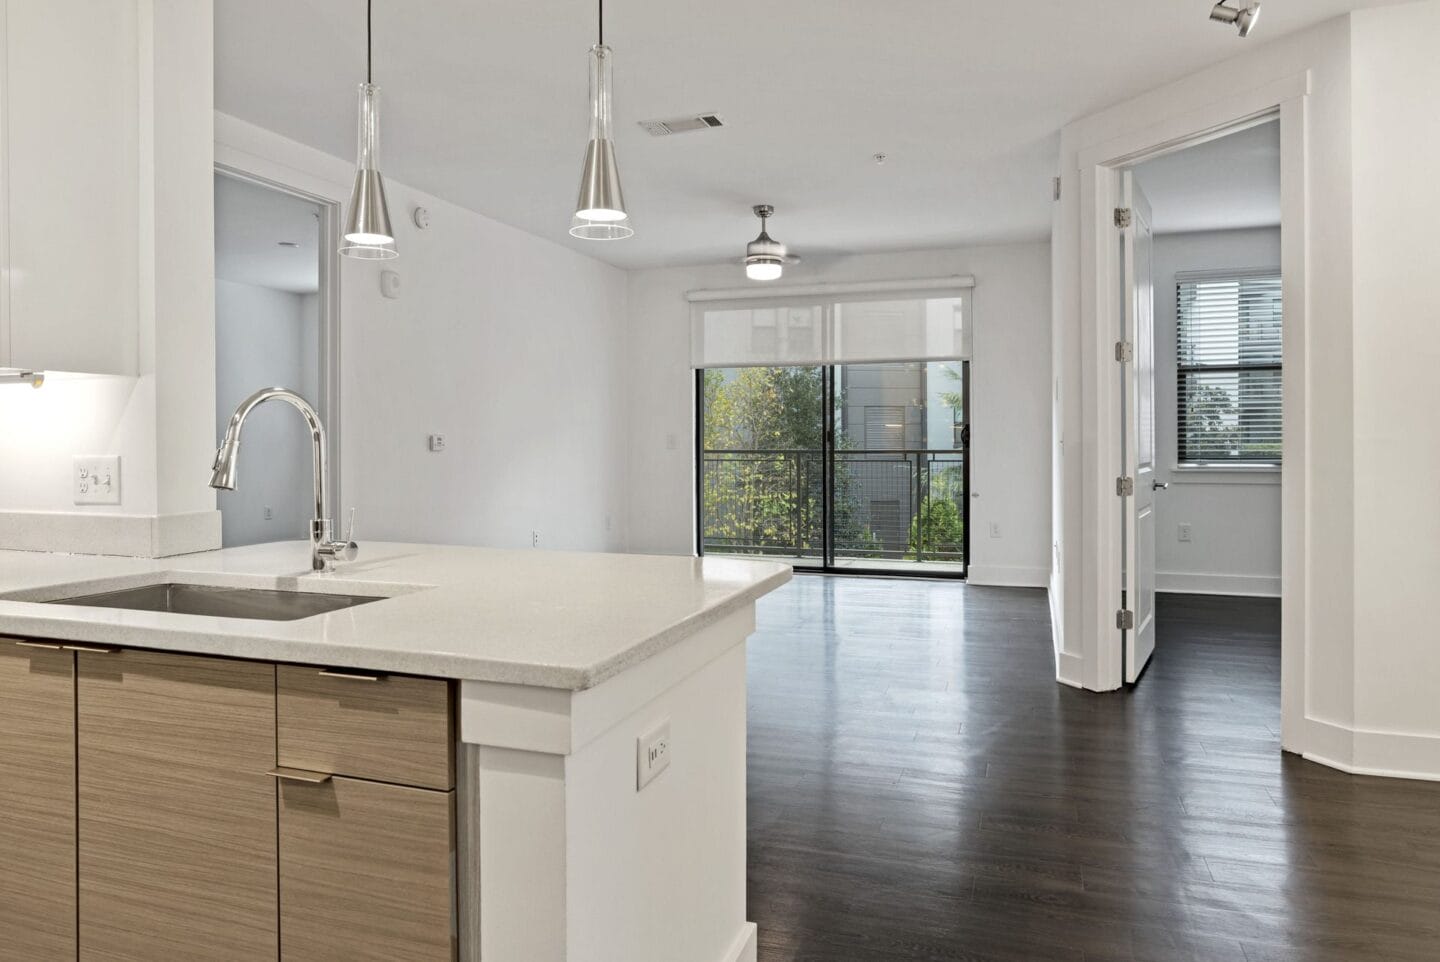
324,551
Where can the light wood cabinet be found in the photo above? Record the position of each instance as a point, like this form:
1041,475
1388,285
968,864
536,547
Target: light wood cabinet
151,810
70,186
37,803
386,728
177,827
366,872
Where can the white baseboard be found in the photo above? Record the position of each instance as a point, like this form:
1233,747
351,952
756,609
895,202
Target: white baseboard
1360,751
126,535
1008,576
1208,583
746,947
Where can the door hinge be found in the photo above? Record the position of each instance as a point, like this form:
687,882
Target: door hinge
1124,352
1124,487
1124,217
1125,619
1057,188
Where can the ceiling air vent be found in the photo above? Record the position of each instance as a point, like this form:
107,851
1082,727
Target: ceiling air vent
681,125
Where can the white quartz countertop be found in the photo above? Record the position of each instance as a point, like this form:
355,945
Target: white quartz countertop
549,619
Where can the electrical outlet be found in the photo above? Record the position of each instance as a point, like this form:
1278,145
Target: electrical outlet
269,513
652,754
994,529
1182,531
534,539
97,479
437,442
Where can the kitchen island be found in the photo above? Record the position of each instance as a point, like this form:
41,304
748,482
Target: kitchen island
589,711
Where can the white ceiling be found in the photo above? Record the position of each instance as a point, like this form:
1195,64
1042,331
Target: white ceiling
1225,184
485,105
250,223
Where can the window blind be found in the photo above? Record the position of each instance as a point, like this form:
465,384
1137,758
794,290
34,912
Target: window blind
1228,367
847,326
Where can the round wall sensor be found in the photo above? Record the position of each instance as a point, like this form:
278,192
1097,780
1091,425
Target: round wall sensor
422,218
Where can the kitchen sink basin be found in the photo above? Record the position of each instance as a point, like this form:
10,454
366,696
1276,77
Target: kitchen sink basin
261,604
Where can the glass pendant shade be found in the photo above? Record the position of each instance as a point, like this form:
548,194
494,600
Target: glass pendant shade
367,226
600,211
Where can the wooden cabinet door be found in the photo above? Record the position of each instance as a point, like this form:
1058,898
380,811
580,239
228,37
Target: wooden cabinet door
177,845
37,803
366,872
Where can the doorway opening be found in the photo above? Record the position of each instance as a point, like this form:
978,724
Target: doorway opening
1202,396
274,326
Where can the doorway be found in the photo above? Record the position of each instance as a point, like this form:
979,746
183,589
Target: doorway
842,468
1204,309
273,327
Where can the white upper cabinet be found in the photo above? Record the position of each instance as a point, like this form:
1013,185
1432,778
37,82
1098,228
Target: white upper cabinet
71,130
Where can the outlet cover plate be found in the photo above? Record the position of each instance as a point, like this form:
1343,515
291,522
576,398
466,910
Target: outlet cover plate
96,479
652,754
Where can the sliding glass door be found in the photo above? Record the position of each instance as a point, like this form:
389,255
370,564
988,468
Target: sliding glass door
856,467
831,431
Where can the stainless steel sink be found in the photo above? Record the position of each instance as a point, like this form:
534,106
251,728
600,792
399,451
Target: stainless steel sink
261,604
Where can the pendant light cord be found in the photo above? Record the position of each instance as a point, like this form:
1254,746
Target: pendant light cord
602,22
369,46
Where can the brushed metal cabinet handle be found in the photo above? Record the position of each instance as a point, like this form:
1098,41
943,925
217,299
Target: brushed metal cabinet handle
299,775
351,675
47,645
92,649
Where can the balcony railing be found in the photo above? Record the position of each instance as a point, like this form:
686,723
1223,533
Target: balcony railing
891,507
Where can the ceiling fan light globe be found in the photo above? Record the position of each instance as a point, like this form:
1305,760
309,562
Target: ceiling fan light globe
764,269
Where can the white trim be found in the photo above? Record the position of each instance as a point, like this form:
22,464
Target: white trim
1215,583
1008,576
746,947
957,282
1360,751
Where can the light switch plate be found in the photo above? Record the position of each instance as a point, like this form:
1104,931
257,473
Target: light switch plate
97,479
652,754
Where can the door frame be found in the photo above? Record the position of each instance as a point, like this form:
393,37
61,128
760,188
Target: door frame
1100,280
827,566
329,309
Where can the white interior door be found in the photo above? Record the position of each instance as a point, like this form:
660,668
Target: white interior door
1138,413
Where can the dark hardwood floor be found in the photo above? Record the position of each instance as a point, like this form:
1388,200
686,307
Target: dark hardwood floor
921,788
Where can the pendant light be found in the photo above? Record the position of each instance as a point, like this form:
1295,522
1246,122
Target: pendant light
367,228
764,257
600,212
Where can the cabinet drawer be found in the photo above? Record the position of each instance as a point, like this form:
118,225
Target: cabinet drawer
389,729
366,872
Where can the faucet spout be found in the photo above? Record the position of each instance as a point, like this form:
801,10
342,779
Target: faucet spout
324,550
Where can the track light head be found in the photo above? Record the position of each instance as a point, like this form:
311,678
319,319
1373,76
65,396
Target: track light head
1244,18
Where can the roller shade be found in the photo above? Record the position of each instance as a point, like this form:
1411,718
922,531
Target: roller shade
842,324
1228,367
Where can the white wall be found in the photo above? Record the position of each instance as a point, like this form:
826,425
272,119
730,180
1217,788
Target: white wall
508,344
1009,397
1234,515
1396,354
265,338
